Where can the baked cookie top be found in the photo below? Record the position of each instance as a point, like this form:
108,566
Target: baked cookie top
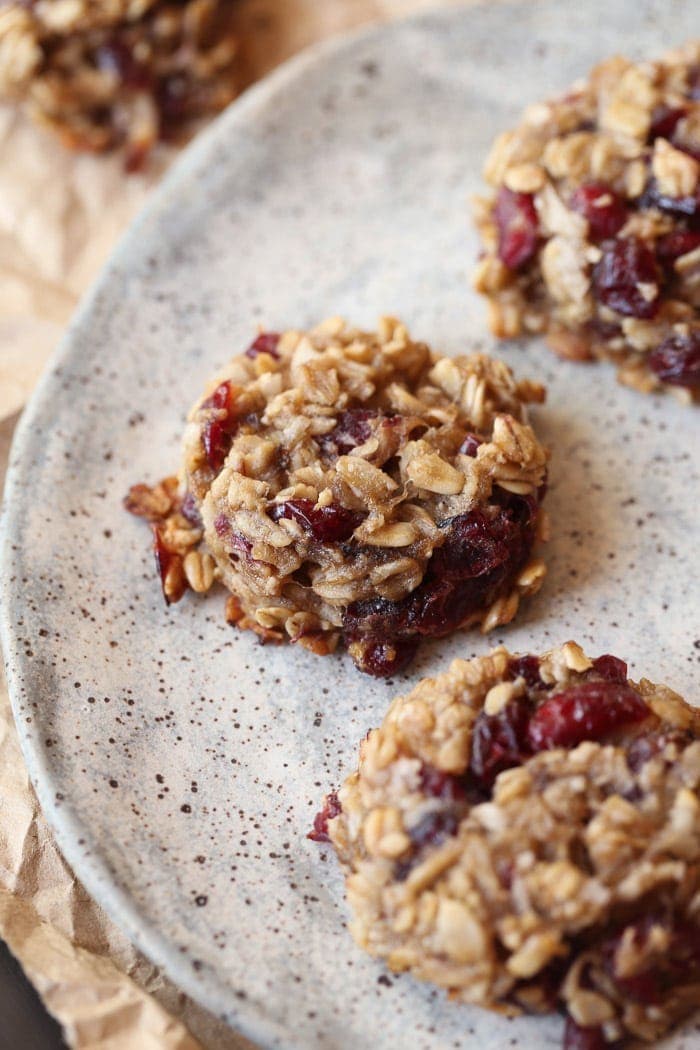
358,483
525,832
593,234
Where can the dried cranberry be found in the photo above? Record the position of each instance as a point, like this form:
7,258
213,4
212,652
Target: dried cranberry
499,741
673,245
172,98
578,1038
236,543
626,264
331,524
216,440
222,525
602,207
604,330
587,711
642,749
694,83
331,808
641,988
266,343
482,552
527,667
117,58
664,120
383,657
688,207
476,543
221,398
434,828
352,428
677,360
218,432
610,667
438,784
470,445
190,510
516,219
679,964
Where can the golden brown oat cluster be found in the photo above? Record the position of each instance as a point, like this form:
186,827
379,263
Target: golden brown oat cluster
107,73
358,486
593,233
525,832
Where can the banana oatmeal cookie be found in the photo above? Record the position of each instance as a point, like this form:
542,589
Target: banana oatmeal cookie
525,832
107,73
593,235
357,486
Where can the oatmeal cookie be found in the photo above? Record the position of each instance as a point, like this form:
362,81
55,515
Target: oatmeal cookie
108,73
593,234
357,486
525,832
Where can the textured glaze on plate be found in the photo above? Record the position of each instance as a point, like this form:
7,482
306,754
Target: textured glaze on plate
180,762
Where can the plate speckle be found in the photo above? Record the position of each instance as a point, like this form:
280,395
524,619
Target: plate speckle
181,763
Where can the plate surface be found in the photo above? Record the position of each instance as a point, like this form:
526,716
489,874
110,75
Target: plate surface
181,763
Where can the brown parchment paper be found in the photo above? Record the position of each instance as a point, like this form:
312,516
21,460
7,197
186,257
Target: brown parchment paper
60,215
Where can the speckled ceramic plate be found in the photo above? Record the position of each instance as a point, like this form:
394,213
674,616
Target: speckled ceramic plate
181,763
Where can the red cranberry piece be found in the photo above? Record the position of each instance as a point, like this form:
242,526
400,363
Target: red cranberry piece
190,510
604,330
331,808
588,711
677,360
435,828
694,83
679,964
478,560
117,58
331,524
641,988
611,667
672,245
476,543
664,120
383,657
266,343
221,398
642,749
218,432
602,207
625,265
222,525
216,441
172,98
470,445
578,1038
684,207
499,741
236,543
437,784
516,219
353,428
240,545
527,667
